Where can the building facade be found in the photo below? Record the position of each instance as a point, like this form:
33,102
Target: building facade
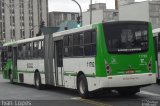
0,21
99,14
142,11
125,2
21,18
57,18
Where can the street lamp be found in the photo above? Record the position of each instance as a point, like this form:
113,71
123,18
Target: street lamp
80,10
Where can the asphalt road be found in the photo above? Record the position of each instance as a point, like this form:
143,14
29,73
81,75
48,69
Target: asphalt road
27,95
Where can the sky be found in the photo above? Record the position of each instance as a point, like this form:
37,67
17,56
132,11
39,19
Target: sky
70,6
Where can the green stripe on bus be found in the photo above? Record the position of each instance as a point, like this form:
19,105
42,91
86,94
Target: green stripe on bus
29,72
90,75
75,74
70,74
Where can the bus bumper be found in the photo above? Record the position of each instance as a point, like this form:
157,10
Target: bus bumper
123,81
129,80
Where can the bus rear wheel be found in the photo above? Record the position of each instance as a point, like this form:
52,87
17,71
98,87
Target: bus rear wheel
83,86
37,81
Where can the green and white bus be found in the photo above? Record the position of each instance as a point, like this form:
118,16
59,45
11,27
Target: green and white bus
115,55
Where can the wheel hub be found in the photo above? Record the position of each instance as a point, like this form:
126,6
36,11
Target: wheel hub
82,87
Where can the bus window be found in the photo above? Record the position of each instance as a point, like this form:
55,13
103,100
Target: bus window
35,49
78,48
155,46
87,37
4,54
80,44
27,51
20,51
81,37
9,52
65,40
68,44
31,49
23,51
130,38
41,50
70,40
75,40
90,43
93,36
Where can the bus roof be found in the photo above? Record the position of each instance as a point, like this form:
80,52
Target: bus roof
74,30
23,41
56,34
87,27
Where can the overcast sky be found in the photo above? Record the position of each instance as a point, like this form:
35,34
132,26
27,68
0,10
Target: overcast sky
70,6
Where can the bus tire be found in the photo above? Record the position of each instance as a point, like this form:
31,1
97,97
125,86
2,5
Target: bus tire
158,81
82,86
37,81
11,77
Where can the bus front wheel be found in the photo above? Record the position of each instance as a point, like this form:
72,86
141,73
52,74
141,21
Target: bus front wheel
83,86
37,80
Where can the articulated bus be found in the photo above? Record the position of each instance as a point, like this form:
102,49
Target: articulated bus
115,55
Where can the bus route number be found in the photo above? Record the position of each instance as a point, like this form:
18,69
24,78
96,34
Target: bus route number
90,64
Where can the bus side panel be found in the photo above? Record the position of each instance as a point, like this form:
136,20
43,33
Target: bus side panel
28,67
74,65
158,66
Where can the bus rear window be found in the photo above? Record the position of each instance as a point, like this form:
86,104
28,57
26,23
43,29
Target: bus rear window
126,37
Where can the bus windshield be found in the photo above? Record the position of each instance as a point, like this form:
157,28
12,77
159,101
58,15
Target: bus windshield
126,37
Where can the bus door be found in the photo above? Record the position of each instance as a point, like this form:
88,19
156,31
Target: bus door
59,62
158,54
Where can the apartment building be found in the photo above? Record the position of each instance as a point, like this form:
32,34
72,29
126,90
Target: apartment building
20,19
